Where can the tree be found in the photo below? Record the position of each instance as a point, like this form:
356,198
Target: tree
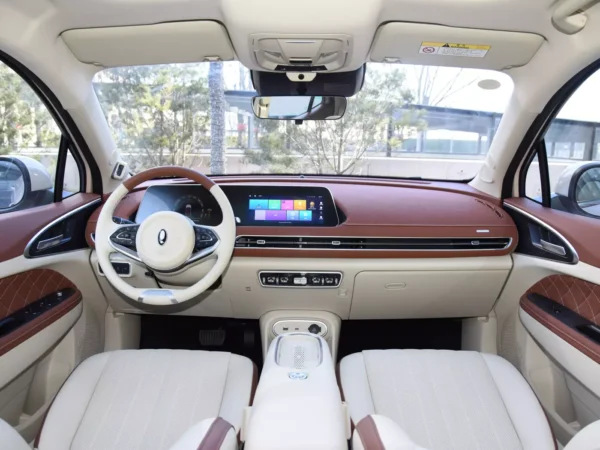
15,114
274,155
433,88
217,118
338,146
157,113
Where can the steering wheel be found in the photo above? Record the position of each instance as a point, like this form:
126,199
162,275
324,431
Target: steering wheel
166,241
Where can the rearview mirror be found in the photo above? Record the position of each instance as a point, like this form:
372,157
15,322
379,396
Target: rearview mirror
299,107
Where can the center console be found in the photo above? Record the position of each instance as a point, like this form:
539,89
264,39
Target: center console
319,323
297,404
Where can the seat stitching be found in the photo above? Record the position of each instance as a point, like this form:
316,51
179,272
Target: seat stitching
162,384
108,408
160,388
374,409
483,406
197,396
89,401
415,389
502,400
131,402
224,386
435,391
174,400
461,403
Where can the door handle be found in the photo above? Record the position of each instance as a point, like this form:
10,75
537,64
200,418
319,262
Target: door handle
550,247
49,243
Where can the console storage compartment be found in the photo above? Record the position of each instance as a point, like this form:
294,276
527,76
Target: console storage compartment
297,403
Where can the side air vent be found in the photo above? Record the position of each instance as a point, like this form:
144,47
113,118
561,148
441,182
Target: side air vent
352,243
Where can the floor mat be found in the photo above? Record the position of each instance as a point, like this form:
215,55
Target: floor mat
241,337
359,335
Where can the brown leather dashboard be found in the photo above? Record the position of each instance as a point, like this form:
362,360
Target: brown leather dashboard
373,208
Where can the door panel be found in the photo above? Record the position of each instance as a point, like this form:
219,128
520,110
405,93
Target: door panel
18,228
31,301
582,233
579,296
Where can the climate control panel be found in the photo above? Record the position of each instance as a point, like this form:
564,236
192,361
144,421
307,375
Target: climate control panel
297,279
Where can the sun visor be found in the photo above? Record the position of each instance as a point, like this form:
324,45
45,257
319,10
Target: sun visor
438,45
176,42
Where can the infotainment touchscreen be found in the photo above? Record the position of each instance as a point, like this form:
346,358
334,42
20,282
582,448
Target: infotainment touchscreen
272,205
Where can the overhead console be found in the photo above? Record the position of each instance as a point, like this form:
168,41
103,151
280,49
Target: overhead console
301,53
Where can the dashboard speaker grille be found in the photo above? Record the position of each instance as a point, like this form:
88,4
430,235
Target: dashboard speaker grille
357,243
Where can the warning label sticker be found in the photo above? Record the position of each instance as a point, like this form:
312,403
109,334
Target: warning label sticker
453,49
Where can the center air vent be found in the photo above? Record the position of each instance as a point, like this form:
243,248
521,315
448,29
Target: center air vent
354,243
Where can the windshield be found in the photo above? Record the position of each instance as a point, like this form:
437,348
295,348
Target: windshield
407,121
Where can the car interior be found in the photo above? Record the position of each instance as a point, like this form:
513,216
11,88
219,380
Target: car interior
332,224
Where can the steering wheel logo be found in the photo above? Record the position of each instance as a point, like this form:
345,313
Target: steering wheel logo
162,237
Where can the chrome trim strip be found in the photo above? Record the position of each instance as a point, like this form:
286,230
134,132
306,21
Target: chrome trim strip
51,224
158,293
477,238
575,259
260,272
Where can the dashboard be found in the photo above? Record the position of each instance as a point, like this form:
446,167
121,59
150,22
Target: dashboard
252,205
383,249
362,217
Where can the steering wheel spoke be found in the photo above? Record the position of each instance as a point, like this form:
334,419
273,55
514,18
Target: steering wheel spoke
207,242
123,240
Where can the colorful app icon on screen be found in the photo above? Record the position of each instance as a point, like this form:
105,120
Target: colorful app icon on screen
260,214
259,203
287,205
305,215
299,205
276,215
274,204
293,215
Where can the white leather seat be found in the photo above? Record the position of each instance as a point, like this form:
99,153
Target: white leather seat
145,399
447,400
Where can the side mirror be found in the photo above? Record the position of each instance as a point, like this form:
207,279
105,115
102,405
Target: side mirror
299,107
579,185
587,190
15,183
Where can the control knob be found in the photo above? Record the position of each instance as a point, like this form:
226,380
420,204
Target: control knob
314,329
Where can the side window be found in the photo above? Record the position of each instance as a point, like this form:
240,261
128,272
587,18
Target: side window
533,181
36,165
571,147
